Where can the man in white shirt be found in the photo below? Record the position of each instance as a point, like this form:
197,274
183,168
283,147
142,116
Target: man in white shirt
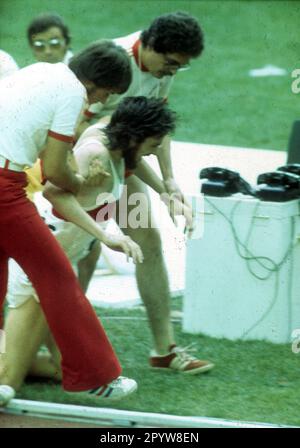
156,55
76,223
49,39
39,109
7,64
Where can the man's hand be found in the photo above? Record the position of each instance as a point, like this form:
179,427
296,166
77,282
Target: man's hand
178,206
97,173
122,243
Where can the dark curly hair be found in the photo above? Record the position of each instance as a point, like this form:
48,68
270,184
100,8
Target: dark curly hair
177,32
45,21
104,63
134,120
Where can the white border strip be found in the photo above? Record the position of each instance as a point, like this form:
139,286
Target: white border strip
105,416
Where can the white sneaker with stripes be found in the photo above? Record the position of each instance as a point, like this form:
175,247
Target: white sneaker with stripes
116,390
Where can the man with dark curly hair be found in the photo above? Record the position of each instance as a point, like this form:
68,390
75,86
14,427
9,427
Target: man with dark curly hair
157,54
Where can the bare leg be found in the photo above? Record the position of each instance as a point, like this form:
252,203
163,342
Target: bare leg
87,265
44,366
26,330
53,349
151,275
47,365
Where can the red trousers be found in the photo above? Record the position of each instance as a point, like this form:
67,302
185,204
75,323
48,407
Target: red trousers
88,359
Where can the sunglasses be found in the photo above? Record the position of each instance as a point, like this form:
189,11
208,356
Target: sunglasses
54,43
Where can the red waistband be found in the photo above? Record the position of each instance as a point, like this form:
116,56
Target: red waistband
107,212
17,175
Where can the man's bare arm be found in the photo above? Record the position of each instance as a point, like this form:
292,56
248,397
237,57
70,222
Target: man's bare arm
56,167
175,206
164,159
67,205
149,176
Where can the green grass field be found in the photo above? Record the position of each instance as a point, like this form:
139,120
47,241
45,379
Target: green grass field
252,380
218,103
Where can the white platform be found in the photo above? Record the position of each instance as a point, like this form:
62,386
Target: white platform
188,160
242,278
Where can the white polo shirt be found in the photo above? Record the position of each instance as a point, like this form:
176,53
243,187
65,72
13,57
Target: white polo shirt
143,83
68,56
7,64
39,100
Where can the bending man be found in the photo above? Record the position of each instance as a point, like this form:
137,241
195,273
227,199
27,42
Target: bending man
157,54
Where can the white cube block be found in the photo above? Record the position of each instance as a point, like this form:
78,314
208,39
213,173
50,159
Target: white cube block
224,298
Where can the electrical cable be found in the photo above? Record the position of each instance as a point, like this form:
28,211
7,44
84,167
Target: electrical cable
272,268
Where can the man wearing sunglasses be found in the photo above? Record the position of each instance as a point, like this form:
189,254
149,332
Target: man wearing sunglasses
49,39
157,54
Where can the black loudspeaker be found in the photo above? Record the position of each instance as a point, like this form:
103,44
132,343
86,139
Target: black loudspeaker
294,144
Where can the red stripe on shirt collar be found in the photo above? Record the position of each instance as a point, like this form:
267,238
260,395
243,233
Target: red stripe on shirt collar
135,49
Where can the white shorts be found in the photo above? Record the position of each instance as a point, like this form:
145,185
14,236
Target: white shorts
76,244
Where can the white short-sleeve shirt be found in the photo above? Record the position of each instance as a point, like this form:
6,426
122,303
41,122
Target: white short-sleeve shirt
39,100
7,64
68,56
143,83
